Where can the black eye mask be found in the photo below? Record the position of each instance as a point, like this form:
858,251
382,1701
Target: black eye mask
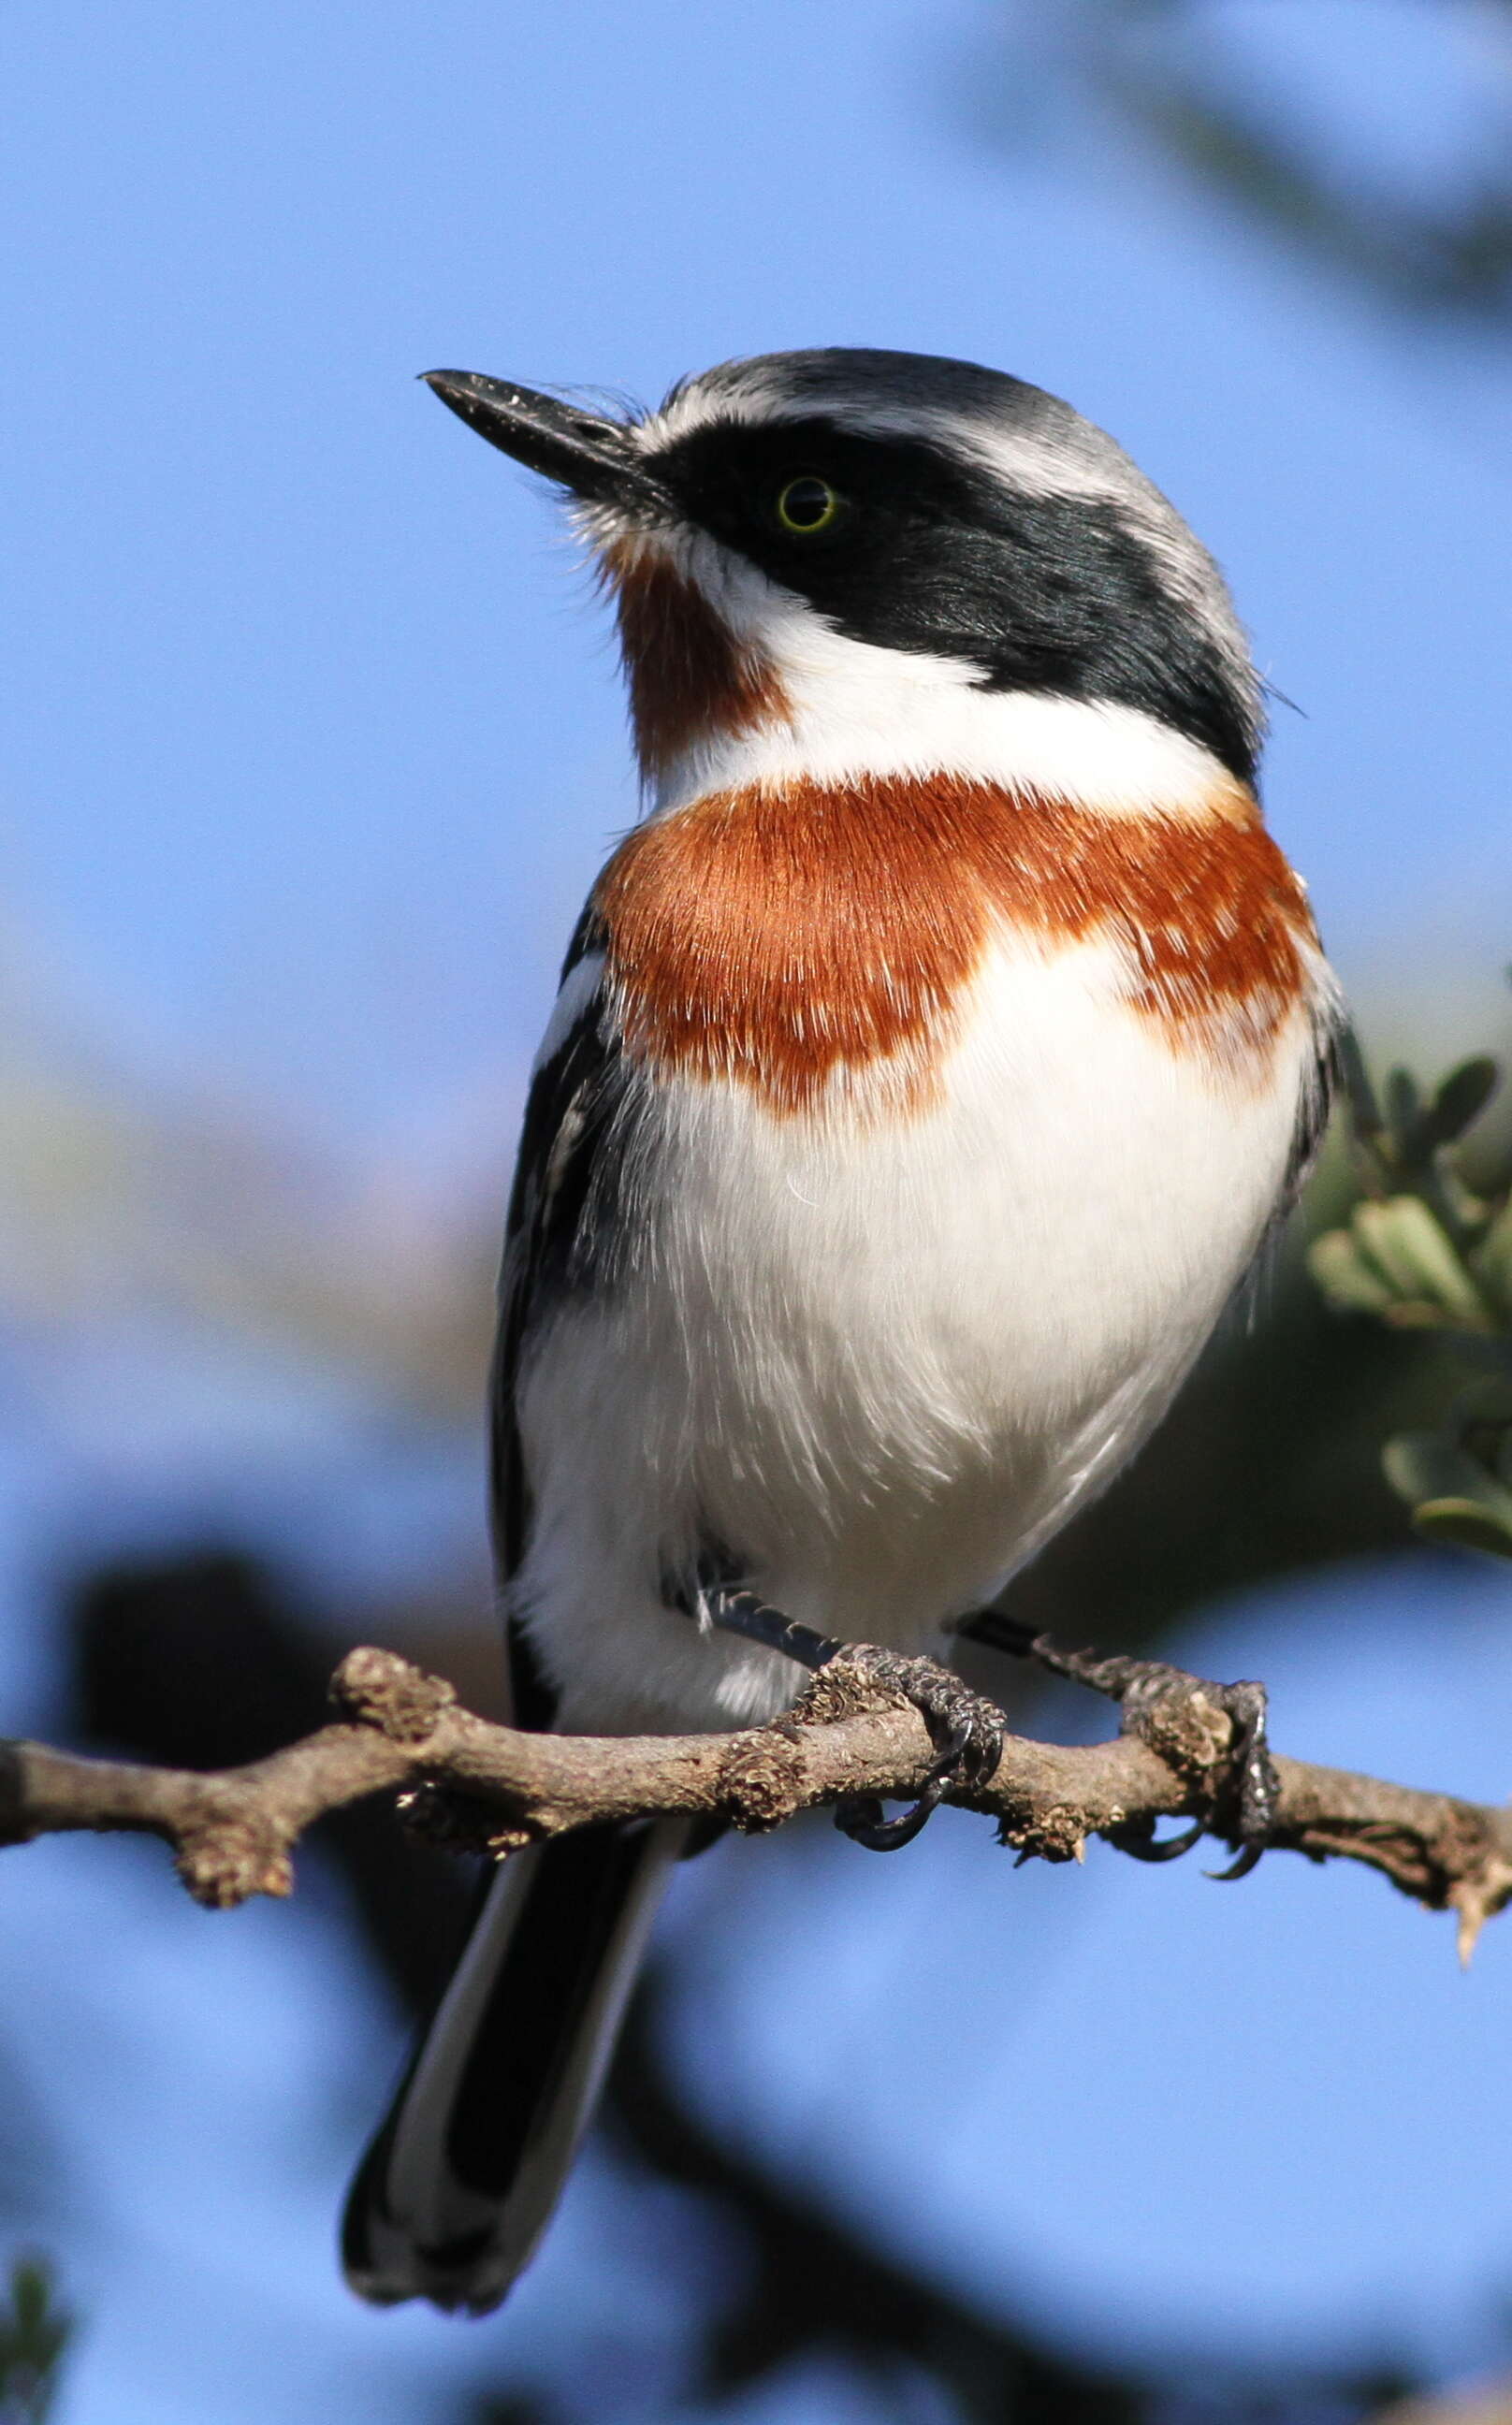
925,551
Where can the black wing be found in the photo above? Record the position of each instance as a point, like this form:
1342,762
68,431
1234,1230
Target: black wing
1316,1103
557,1238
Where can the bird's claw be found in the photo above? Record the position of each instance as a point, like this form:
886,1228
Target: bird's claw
1174,1712
1233,1777
966,1729
1258,1788
851,1676
1141,1842
1247,1860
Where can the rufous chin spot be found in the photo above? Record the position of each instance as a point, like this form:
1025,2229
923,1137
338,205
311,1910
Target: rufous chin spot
790,937
690,679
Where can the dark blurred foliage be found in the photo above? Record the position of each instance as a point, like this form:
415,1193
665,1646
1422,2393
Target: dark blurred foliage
201,1662
34,2335
204,1661
1172,70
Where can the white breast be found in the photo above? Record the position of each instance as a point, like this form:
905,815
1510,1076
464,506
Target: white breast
882,1360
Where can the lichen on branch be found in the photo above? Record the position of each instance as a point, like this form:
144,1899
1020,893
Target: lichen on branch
401,1731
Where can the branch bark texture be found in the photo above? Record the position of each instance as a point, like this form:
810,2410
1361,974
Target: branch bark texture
492,1786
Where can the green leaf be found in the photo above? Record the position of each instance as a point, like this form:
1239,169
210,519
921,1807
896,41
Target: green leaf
1459,1098
1345,1277
1464,1524
1415,1255
1403,1105
1423,1466
1452,1495
1364,1111
1492,1262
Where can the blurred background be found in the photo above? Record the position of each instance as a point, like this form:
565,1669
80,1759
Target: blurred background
311,745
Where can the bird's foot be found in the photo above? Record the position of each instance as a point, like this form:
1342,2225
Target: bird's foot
852,1677
734,1608
1213,1734
966,1729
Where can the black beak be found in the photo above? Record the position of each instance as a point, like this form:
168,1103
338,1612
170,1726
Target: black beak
597,459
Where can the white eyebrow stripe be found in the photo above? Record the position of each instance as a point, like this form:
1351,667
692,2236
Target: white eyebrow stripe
1034,465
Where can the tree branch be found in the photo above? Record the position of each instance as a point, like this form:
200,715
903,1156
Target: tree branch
492,1786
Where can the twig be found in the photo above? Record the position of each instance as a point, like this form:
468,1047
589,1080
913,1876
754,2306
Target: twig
234,1831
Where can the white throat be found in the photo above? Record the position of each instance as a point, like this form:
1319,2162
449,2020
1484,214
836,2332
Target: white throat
855,710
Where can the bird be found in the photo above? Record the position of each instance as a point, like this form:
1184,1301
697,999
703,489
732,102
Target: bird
932,1063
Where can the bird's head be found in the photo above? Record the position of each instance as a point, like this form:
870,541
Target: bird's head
843,562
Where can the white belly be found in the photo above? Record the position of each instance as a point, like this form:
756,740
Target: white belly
880,1357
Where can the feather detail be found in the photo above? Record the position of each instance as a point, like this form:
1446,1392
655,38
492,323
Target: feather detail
788,938
690,677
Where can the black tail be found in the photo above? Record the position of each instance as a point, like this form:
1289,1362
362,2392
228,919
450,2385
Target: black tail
459,2183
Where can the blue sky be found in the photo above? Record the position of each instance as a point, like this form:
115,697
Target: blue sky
310,743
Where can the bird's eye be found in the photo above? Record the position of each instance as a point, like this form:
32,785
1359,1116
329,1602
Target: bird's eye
807,505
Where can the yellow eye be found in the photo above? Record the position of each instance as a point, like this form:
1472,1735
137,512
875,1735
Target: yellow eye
807,505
